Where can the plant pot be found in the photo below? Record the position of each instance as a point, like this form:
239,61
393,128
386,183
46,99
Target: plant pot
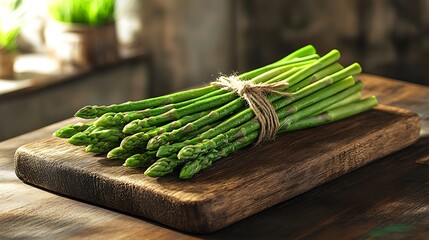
7,61
82,46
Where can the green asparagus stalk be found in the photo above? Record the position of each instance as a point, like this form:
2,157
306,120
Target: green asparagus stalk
140,139
97,111
92,128
72,129
135,126
320,95
311,108
296,62
81,139
175,114
159,167
193,167
141,159
112,119
332,115
120,153
195,133
104,140
303,52
163,166
350,99
111,134
93,134
169,149
203,147
215,115
331,69
136,158
310,69
316,84
102,146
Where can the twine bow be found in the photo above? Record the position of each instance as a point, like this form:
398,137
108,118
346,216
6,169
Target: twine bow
255,94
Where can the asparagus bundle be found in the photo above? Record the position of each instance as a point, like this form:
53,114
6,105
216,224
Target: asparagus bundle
192,129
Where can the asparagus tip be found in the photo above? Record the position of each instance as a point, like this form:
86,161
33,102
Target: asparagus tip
152,172
80,138
132,127
187,152
131,162
190,169
155,142
90,111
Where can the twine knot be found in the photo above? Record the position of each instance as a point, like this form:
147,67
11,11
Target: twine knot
255,94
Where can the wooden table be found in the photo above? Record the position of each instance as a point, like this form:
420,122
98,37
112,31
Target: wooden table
386,199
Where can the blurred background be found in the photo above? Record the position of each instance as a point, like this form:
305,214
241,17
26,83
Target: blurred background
146,48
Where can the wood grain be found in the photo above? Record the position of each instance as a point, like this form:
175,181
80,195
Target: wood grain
234,188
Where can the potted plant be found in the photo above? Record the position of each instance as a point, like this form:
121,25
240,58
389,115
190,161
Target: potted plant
9,30
82,33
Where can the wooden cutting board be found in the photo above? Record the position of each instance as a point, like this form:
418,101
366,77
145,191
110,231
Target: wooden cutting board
235,187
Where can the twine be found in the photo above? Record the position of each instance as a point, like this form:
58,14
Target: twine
255,94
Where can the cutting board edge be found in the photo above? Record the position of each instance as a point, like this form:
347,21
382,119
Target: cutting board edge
201,207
